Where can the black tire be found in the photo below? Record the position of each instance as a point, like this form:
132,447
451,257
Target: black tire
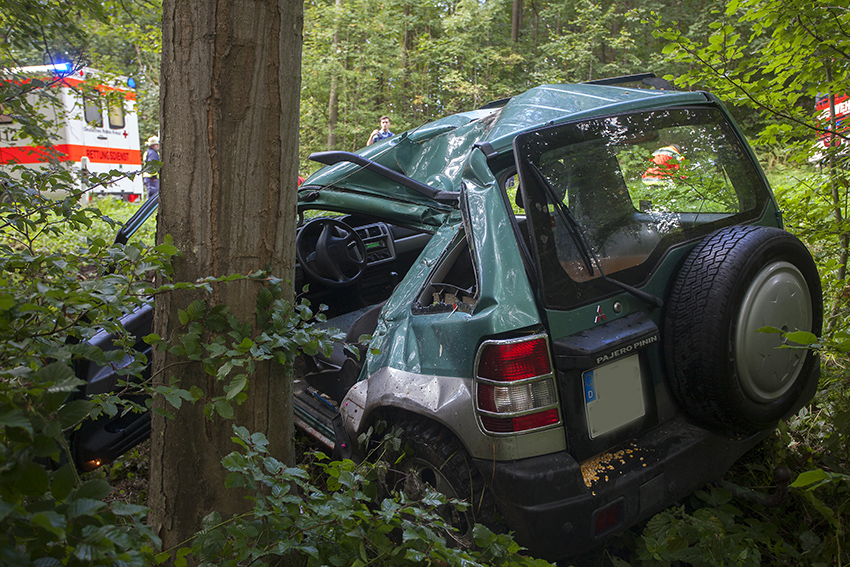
434,456
737,280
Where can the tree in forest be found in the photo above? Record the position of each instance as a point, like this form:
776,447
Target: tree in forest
229,108
790,53
128,41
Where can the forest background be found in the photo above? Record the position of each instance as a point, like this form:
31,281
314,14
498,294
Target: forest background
767,59
412,61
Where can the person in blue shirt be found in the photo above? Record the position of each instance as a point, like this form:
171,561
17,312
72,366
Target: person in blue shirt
380,133
151,178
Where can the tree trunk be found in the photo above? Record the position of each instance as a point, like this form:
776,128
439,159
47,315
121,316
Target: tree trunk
229,105
333,103
516,20
406,106
837,201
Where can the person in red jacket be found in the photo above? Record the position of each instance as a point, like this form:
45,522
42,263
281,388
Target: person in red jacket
665,162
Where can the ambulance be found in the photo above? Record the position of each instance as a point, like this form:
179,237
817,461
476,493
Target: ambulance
92,133
823,117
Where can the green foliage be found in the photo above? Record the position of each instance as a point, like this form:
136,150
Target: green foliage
128,41
809,527
50,303
230,349
48,24
776,57
805,196
422,60
341,525
710,536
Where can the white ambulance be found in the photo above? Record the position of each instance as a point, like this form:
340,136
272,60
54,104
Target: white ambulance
91,133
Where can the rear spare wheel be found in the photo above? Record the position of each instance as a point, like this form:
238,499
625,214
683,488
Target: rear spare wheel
725,373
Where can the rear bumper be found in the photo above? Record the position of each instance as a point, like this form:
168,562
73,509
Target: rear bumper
553,512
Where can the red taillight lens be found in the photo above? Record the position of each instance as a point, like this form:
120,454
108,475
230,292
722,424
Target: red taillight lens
514,361
608,518
520,423
516,390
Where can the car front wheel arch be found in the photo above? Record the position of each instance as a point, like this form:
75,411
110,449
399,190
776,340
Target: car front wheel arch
724,372
428,454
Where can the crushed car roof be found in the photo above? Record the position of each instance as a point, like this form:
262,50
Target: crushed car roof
437,153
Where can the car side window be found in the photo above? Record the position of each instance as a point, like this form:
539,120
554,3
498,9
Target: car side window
115,112
92,112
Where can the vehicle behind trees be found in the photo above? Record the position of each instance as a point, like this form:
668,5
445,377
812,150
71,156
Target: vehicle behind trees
90,122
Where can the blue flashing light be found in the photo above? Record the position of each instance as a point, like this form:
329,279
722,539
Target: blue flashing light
61,67
131,82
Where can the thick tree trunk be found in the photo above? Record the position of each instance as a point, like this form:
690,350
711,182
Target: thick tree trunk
229,108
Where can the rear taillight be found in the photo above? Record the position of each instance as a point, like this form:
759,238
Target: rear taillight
515,386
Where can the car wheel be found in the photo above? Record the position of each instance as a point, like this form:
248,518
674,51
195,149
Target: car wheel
434,457
723,372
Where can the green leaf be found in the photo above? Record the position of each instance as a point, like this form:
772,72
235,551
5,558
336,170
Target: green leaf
13,417
84,507
58,373
74,412
808,478
63,482
50,521
152,338
801,337
236,386
95,489
33,481
124,509
223,408
196,310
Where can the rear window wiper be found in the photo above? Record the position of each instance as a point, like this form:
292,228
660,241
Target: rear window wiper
577,234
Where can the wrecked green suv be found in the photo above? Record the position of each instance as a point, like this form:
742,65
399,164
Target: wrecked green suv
576,345
564,292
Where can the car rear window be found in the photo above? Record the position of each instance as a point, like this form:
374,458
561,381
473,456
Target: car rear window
636,185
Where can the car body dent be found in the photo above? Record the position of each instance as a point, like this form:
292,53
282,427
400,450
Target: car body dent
446,400
423,363
445,343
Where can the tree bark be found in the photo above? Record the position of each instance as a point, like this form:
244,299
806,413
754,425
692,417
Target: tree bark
333,102
229,104
837,201
516,20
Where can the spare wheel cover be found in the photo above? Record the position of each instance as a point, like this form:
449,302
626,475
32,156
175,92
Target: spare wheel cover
723,372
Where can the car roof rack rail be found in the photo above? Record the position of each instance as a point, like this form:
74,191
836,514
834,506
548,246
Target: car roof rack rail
648,79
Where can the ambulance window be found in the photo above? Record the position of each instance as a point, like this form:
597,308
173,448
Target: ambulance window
116,115
94,117
4,118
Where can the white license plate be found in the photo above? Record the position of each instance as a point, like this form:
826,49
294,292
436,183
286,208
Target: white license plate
613,395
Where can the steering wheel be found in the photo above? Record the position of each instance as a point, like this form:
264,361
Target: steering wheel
331,252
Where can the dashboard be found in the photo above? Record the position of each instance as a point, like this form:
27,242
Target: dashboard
390,252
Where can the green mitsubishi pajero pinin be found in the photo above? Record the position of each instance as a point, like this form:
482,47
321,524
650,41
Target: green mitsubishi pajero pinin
564,291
